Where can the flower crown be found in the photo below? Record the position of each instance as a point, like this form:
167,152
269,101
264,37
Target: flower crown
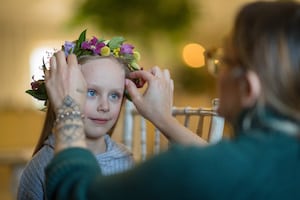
81,47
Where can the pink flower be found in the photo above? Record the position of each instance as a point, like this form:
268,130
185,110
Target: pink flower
35,85
93,45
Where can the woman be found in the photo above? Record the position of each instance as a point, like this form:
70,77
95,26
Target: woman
259,93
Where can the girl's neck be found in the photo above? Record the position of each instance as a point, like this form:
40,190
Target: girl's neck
96,145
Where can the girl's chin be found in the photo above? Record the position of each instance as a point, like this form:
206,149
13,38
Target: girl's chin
95,135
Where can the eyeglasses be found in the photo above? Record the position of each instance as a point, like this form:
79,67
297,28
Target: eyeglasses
214,61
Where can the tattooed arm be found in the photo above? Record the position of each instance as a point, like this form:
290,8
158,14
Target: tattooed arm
66,90
68,128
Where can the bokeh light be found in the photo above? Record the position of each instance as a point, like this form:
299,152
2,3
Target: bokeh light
193,55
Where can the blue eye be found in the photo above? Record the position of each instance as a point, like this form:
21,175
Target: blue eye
114,96
91,93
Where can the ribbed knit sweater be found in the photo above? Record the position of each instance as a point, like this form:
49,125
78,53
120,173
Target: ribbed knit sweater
32,184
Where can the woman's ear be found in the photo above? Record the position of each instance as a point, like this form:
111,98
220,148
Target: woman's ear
250,89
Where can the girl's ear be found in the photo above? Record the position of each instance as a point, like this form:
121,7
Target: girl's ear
250,89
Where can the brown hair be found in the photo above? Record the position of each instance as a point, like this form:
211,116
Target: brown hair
266,40
50,114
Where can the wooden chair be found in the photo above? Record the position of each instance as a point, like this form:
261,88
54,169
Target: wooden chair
144,140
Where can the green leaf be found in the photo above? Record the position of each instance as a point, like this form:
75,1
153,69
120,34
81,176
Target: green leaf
37,95
128,57
40,93
134,66
44,109
116,42
82,38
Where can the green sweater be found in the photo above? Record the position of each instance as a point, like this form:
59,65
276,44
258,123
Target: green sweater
259,163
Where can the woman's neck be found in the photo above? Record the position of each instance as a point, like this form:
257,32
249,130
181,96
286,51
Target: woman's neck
96,145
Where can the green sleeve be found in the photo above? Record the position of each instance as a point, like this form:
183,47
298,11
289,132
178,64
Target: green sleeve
179,173
69,174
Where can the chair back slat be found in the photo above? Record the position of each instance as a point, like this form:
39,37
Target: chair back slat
157,135
216,125
208,125
199,129
143,129
128,125
216,129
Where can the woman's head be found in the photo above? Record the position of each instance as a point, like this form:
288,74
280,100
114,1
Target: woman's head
262,55
105,78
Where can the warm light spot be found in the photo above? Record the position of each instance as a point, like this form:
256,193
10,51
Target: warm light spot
36,61
193,55
36,70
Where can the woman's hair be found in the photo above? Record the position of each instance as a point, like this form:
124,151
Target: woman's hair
50,114
266,40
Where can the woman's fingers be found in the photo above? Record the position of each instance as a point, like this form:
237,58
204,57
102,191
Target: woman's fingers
132,90
166,74
147,76
53,65
144,75
72,60
156,71
157,99
65,78
172,84
61,62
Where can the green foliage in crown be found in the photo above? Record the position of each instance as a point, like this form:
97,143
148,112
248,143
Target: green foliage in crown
81,47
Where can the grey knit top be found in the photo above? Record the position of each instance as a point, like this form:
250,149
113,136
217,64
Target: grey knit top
117,158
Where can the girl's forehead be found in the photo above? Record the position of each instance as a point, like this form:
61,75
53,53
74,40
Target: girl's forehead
102,65
103,73
101,61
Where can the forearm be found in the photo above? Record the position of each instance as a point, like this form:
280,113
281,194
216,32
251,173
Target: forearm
69,129
177,133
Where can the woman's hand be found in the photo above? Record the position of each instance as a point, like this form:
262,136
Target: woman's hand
156,103
66,89
157,100
65,79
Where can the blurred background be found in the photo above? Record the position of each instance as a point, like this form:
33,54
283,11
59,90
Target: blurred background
171,34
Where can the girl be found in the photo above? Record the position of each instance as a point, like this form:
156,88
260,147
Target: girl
105,79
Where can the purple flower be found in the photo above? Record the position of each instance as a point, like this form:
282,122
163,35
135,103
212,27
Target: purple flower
126,49
35,85
69,47
93,45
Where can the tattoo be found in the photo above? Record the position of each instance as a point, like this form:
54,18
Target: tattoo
69,123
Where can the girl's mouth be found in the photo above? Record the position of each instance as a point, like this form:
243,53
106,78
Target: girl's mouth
99,120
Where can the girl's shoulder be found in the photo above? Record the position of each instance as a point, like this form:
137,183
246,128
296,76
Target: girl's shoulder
42,157
116,148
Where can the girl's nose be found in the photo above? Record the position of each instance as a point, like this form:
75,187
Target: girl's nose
103,106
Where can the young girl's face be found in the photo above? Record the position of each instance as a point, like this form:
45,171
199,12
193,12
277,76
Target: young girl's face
105,79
